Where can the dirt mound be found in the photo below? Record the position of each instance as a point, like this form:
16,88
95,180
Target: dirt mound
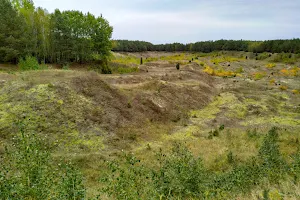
114,106
80,108
169,101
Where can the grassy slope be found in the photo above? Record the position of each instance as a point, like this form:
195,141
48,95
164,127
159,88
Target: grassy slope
90,117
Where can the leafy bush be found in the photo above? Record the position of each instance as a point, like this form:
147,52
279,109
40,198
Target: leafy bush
29,63
105,69
262,56
286,58
27,172
272,162
181,175
127,178
178,175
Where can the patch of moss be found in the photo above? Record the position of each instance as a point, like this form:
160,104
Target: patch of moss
211,110
272,121
45,110
182,134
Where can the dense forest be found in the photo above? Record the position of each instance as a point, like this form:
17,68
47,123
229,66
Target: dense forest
273,46
72,36
59,37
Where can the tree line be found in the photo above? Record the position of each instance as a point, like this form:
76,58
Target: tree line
58,37
273,46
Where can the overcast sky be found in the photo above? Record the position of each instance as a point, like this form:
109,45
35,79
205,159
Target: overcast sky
167,21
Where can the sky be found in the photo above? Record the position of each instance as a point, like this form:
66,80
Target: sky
185,21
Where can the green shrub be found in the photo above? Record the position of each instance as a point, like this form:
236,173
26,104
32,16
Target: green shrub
27,171
266,194
230,158
29,63
181,175
127,178
296,166
241,179
262,56
286,58
271,159
66,67
105,69
222,127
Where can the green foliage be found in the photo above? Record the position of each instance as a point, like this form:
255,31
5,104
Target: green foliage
286,58
29,63
222,127
273,163
252,133
66,67
73,36
230,158
262,56
266,194
274,46
178,175
181,175
11,32
126,60
126,70
296,166
216,132
239,70
27,171
58,37
105,69
259,75
127,179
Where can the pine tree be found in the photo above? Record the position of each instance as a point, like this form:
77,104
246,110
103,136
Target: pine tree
11,33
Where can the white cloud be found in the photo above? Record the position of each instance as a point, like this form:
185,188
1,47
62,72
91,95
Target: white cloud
161,21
